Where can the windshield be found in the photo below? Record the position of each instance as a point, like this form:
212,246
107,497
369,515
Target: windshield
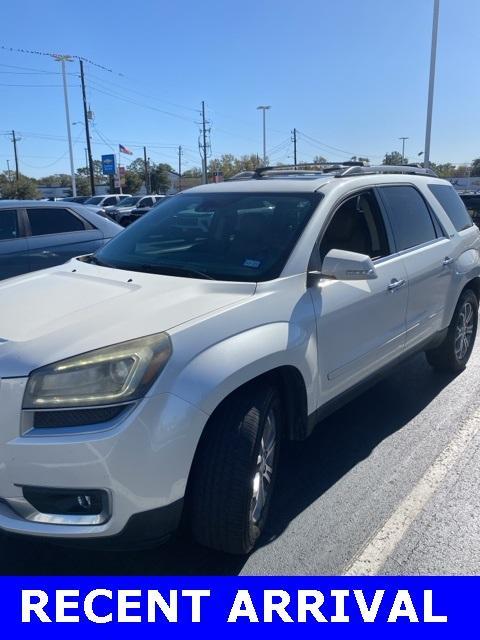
94,200
234,236
130,201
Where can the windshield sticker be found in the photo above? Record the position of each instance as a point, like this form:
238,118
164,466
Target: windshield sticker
254,264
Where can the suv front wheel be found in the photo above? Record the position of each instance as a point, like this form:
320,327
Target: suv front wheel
454,352
235,469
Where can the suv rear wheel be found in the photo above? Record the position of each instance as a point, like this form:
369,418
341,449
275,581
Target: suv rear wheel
235,469
454,352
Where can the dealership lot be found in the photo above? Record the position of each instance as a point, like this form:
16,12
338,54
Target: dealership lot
335,492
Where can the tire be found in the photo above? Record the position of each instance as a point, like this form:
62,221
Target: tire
234,470
454,352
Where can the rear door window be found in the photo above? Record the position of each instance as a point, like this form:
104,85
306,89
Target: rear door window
452,205
8,224
109,201
47,221
409,216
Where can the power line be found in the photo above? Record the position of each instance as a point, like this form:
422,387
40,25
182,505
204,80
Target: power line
13,66
45,86
139,104
174,104
52,55
323,144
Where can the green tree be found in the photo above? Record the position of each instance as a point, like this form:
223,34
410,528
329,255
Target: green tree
229,165
446,170
97,172
475,168
83,186
133,182
160,178
137,166
195,172
56,180
394,157
23,189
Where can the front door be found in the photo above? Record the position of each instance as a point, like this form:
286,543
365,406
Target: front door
360,324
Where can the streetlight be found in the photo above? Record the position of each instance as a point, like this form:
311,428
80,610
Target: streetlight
264,108
63,59
433,56
403,138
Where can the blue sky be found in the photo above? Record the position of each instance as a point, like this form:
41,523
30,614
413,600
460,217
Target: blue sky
350,75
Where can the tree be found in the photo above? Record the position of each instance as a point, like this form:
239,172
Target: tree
133,182
83,186
56,180
394,157
97,172
137,166
195,172
446,170
229,165
319,160
160,178
475,169
23,189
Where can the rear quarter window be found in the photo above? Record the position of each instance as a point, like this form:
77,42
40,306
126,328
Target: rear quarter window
452,205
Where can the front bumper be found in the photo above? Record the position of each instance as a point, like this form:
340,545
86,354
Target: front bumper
142,459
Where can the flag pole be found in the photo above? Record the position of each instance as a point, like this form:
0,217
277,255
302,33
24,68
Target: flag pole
119,175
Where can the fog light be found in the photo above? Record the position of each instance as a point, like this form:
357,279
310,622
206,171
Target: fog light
67,502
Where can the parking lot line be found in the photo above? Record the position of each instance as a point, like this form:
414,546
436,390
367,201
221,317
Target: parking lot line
373,556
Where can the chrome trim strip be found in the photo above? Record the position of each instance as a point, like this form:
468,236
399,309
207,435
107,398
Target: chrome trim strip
24,509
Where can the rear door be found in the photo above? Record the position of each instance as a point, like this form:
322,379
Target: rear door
426,253
14,258
57,234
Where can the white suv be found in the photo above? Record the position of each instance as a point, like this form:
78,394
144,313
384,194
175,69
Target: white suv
157,379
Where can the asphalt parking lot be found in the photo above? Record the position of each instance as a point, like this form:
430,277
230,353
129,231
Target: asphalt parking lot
341,493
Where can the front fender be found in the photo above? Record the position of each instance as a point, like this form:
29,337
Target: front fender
222,368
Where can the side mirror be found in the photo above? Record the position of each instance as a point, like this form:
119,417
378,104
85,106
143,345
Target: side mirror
346,265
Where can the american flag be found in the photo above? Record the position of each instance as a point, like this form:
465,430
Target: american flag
123,149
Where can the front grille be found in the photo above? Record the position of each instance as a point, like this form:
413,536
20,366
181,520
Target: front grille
75,417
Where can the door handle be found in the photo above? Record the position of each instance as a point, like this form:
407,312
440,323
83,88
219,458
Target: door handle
446,261
396,284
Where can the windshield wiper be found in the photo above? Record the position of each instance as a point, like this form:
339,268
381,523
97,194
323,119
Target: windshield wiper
169,270
92,259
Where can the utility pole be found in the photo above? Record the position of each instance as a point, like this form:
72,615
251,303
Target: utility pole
264,108
62,59
403,138
87,131
15,140
180,168
431,83
145,170
294,138
204,144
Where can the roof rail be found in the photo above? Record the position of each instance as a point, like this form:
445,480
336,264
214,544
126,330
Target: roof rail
407,169
305,168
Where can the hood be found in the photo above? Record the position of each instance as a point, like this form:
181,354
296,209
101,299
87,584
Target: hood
67,310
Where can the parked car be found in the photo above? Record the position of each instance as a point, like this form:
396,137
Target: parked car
133,204
138,212
105,201
156,380
77,199
35,234
472,203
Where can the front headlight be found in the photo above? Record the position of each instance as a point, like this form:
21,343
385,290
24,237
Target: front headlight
119,373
